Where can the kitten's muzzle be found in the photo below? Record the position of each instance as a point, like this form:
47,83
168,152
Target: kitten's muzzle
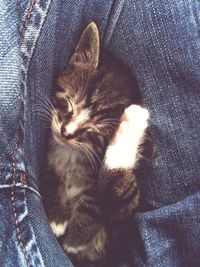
65,134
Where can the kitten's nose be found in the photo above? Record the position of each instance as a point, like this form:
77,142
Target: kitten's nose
69,129
65,134
63,131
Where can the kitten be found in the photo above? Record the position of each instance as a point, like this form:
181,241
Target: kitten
89,188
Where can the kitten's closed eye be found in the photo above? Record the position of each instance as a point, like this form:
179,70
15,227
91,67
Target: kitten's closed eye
73,123
61,105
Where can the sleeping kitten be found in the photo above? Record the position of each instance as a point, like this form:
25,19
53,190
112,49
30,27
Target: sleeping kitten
90,188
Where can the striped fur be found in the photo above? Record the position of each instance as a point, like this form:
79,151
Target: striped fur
85,191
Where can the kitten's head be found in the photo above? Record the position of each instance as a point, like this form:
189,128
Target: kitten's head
92,94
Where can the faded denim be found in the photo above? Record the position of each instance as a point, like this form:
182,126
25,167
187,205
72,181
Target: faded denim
160,42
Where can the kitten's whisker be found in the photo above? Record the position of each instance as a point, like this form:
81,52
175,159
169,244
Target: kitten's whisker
42,111
46,98
91,154
46,125
113,121
90,158
43,115
108,128
78,147
94,153
108,125
48,113
43,108
44,104
47,101
93,162
55,126
87,153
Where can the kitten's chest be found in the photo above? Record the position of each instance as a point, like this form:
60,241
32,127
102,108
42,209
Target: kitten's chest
74,174
75,179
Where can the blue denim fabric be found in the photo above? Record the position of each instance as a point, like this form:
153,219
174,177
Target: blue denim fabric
160,42
20,25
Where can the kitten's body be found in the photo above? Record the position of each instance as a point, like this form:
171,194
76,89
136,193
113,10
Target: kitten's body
89,188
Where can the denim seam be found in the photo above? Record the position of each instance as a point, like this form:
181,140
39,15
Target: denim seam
34,8
20,185
13,198
29,37
31,6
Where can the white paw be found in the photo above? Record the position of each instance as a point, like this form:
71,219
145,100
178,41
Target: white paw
137,115
58,228
122,151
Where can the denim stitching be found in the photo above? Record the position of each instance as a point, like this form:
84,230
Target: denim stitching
28,17
29,37
22,178
13,198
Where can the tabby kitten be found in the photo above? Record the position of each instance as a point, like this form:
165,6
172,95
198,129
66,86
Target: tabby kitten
90,188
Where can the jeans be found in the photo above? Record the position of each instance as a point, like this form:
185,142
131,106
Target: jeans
160,42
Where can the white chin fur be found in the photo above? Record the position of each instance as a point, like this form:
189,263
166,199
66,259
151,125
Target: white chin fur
122,151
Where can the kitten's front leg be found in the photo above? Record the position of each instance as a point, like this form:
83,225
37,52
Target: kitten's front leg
56,204
123,151
122,155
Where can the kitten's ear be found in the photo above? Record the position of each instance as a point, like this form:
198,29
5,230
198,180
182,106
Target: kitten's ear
87,50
